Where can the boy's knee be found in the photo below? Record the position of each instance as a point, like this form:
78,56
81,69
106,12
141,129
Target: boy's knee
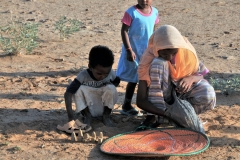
110,95
110,89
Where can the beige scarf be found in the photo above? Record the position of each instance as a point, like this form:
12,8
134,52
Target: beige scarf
166,37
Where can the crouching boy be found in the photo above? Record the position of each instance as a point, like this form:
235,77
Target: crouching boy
94,89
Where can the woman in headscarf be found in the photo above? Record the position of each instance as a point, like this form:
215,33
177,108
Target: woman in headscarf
171,59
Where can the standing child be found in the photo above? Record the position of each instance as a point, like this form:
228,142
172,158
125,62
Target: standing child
138,25
93,90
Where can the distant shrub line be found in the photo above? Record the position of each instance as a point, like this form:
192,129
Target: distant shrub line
17,37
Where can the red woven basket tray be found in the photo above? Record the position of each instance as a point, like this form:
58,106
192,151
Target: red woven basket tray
157,142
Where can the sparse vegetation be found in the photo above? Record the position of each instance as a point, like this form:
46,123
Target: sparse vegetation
226,86
18,37
16,148
67,27
4,144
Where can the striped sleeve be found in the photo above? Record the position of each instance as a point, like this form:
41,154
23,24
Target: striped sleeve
202,69
158,76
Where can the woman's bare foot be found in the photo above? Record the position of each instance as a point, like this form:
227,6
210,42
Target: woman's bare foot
150,119
149,122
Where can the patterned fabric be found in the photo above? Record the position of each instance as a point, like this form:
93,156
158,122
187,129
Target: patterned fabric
140,30
201,96
202,69
159,75
85,79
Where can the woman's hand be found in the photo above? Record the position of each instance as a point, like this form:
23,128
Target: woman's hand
186,83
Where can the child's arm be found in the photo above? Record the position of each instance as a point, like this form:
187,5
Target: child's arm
154,29
116,81
124,33
68,103
71,90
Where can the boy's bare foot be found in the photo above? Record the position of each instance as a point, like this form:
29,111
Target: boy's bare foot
106,117
108,122
87,116
87,120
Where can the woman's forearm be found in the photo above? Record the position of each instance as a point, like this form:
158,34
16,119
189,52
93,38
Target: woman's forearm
197,78
142,100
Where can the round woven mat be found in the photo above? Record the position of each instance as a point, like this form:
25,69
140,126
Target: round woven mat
156,142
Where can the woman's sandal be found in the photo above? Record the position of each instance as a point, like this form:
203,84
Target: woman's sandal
69,127
84,127
145,125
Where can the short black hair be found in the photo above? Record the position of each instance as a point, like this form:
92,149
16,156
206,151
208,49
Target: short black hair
101,55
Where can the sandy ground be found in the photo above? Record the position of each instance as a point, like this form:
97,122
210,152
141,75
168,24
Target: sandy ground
32,86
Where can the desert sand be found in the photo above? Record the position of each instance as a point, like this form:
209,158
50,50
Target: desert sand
32,86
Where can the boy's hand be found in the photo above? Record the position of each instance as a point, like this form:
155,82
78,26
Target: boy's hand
131,56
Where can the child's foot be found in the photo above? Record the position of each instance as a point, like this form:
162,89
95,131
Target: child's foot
87,116
128,109
87,120
106,117
108,122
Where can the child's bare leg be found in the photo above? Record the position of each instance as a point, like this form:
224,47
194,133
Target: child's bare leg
87,116
128,97
106,117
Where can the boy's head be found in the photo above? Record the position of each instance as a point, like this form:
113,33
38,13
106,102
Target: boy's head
101,59
101,55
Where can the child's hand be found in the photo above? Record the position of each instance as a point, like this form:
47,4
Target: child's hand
131,56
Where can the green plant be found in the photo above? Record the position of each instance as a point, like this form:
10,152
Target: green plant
19,36
226,86
16,148
4,144
66,27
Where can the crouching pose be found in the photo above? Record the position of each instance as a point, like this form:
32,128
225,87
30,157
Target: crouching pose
171,59
94,89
